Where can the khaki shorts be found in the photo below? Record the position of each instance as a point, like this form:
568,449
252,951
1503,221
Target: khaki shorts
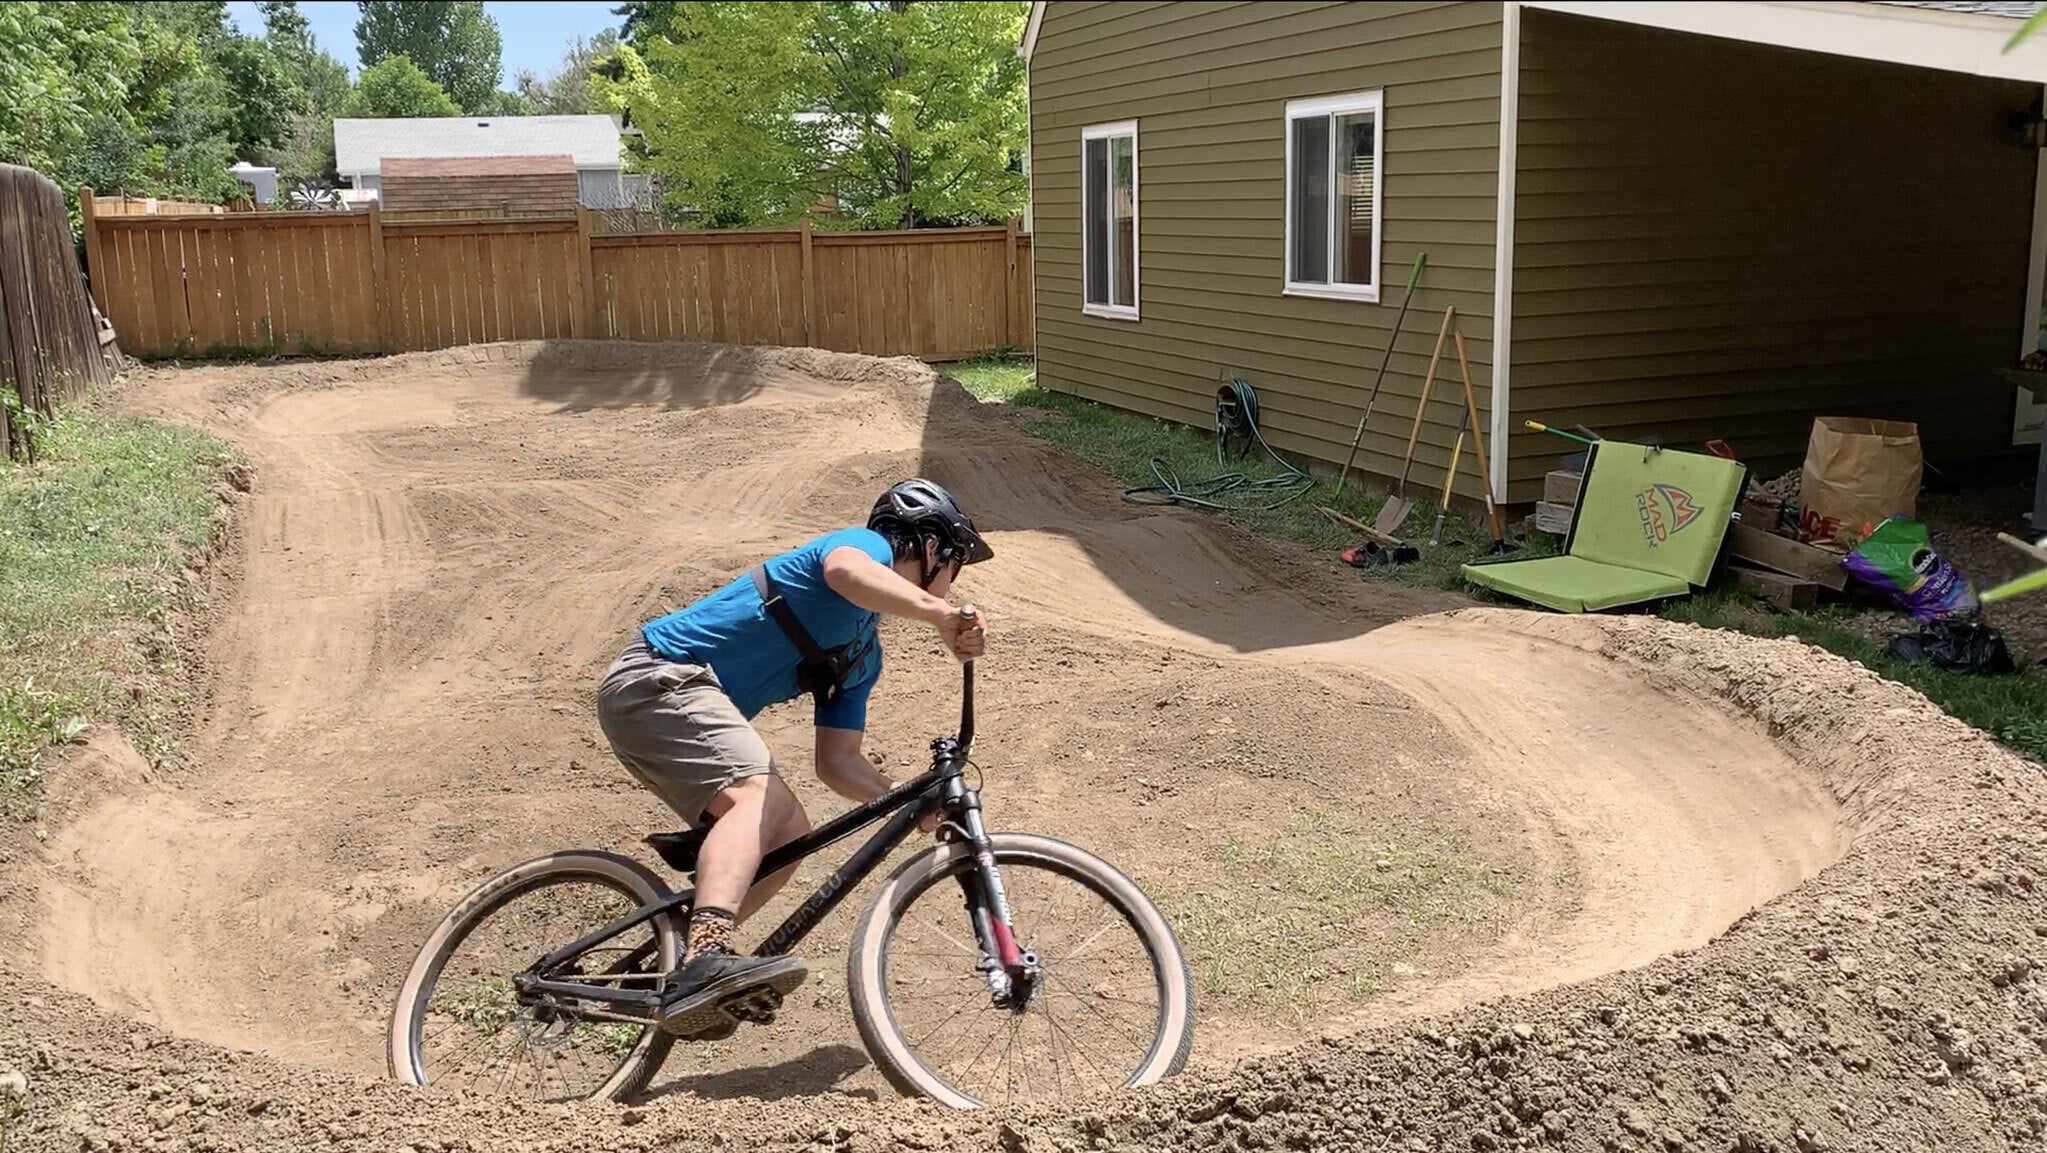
675,729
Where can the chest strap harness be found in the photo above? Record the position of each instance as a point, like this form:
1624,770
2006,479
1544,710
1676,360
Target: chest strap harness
821,671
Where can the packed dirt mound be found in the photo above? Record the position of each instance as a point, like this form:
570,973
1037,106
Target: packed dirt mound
1370,812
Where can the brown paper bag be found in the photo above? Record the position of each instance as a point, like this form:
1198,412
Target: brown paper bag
1857,472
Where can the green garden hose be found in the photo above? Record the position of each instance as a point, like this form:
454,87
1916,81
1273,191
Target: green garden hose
1236,415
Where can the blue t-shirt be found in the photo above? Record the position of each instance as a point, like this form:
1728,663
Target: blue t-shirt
754,659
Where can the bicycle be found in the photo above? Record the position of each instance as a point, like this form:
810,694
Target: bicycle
560,1006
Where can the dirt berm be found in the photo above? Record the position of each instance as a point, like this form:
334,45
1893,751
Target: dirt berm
1638,885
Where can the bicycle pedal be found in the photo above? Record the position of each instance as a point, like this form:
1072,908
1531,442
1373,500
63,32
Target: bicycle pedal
756,1006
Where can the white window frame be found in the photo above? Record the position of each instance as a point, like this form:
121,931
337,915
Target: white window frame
1105,310
1373,101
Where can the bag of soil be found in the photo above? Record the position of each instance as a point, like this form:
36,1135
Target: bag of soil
1898,558
1957,646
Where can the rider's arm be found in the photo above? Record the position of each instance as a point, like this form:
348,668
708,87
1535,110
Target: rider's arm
844,769
880,589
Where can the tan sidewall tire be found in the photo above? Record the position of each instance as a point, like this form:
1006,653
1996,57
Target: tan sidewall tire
885,1044
634,1072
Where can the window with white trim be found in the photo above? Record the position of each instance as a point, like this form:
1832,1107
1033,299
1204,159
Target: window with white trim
1108,224
1333,148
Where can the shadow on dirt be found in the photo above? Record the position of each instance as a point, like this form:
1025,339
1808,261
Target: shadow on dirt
1057,521
817,1071
580,376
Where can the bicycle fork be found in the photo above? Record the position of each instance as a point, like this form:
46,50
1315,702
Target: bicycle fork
1012,972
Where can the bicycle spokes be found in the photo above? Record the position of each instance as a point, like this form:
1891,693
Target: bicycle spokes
481,1032
1086,1013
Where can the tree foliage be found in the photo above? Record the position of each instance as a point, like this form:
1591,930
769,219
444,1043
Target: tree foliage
395,86
906,113
453,41
156,99
567,91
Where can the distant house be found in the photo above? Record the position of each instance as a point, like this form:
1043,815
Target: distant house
593,144
1696,221
533,184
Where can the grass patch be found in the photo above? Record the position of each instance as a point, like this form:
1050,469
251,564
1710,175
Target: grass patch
2011,708
1127,445
1339,905
93,536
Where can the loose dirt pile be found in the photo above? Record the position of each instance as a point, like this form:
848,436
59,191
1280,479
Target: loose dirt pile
442,551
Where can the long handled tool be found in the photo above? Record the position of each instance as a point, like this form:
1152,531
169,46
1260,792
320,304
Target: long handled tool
1394,512
1450,475
1413,278
1485,474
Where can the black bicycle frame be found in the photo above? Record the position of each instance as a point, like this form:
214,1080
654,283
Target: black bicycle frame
940,787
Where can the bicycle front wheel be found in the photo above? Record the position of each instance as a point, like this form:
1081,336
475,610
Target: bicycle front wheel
458,1022
1114,1006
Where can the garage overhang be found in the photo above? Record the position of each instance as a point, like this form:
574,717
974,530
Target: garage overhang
1975,38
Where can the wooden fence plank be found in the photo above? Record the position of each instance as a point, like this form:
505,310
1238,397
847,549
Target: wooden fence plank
586,279
360,281
95,263
380,286
49,344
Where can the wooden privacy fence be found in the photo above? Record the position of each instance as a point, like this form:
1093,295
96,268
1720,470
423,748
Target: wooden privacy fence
364,282
49,344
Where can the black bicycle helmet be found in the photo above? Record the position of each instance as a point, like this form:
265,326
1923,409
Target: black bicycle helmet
924,507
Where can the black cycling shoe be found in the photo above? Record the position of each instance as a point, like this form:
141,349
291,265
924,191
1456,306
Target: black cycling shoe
715,990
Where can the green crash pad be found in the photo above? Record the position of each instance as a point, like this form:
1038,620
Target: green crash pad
1649,524
1575,585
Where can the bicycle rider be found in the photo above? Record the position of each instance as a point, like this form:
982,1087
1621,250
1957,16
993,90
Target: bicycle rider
677,706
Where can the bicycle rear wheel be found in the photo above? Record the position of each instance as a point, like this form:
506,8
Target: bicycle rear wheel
1114,1006
457,1020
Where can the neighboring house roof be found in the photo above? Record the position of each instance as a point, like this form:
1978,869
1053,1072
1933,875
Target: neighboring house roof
360,145
478,165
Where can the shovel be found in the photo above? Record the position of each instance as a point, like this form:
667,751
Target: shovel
1393,513
1413,278
1485,476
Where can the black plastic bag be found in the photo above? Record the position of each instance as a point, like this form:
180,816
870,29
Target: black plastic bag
1957,646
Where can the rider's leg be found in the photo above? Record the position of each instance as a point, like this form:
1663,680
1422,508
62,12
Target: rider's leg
680,735
755,816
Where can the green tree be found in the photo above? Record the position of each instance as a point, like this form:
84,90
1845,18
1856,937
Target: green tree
64,70
324,80
395,86
452,41
911,114
566,91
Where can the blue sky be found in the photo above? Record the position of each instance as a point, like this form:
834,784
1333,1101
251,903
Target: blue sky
535,32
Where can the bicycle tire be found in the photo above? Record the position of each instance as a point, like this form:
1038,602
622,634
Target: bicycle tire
866,959
628,876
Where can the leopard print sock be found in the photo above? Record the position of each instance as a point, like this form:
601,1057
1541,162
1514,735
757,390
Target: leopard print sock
710,929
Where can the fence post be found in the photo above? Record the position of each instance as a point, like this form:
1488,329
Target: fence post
809,291
583,320
377,286
1009,283
88,223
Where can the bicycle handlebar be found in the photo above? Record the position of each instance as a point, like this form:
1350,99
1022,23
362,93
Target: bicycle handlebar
966,737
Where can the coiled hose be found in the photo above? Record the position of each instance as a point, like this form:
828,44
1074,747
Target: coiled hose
1236,415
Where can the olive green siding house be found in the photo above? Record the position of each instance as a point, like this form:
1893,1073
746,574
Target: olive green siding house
1690,221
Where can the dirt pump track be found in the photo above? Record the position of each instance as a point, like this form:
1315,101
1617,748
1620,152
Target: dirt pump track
1803,910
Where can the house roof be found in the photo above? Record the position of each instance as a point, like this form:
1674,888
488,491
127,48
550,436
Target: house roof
360,145
561,162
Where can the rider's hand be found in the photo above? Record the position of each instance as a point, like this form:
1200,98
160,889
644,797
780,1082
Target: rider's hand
965,641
